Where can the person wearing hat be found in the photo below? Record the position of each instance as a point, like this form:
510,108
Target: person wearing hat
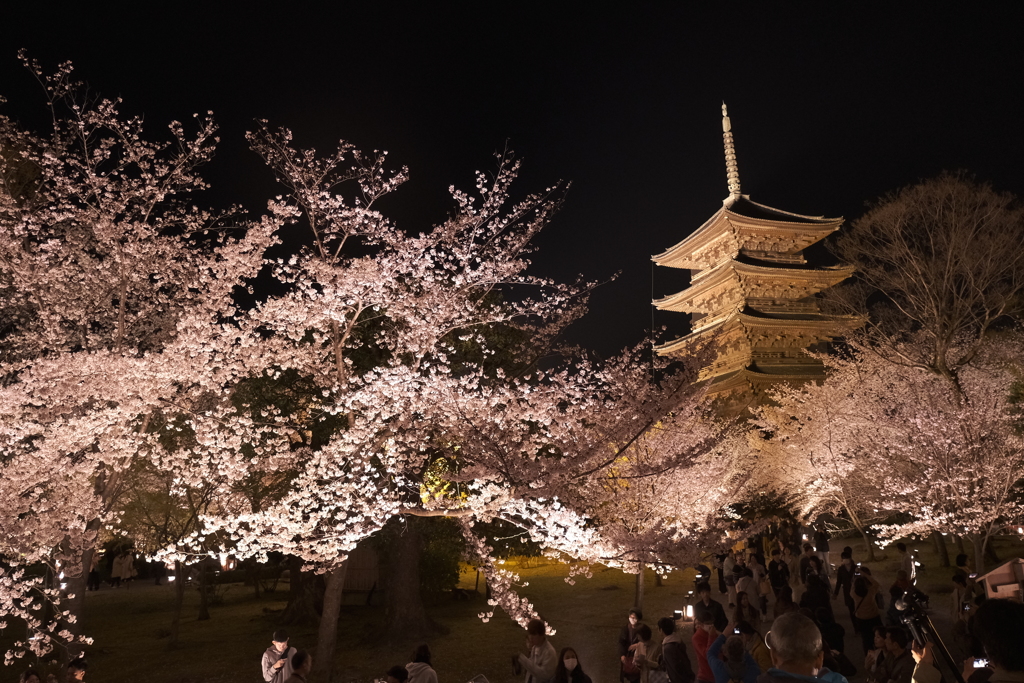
277,666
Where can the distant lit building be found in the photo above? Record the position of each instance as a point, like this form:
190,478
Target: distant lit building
753,292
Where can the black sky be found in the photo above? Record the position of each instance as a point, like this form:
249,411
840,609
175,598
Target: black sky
831,106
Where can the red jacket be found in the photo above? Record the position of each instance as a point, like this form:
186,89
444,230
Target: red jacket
701,643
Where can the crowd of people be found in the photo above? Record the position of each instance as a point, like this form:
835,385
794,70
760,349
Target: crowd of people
789,598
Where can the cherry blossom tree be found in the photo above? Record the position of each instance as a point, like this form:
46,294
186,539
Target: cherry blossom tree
947,459
124,350
378,321
110,282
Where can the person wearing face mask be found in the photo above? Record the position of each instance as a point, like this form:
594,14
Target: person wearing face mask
627,636
569,669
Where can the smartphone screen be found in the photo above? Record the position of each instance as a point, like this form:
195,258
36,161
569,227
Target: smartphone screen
980,663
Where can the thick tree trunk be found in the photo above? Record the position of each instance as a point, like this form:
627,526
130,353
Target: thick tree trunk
327,637
179,603
990,551
638,602
979,552
405,618
940,548
855,520
204,598
868,544
75,582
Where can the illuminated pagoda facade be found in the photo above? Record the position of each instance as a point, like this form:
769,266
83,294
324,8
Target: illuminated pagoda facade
753,293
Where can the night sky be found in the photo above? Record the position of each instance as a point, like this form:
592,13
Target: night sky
830,107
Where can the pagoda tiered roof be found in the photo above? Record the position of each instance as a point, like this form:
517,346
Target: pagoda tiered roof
747,225
762,330
738,279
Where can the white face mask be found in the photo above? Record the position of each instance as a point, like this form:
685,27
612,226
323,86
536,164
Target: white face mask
570,664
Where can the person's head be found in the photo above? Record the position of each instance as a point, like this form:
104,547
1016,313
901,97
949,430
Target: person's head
815,563
902,547
422,655
748,633
879,637
704,590
734,649
961,560
786,595
635,616
30,676
280,639
860,587
808,548
76,669
896,640
787,551
999,626
643,632
742,600
848,549
846,558
775,553
536,632
568,662
702,621
301,662
667,626
795,644
397,674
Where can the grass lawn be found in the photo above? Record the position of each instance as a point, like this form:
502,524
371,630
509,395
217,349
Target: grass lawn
127,626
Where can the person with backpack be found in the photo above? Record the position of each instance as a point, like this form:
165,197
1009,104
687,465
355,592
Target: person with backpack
672,657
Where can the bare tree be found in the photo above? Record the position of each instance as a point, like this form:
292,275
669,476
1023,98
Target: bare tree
940,263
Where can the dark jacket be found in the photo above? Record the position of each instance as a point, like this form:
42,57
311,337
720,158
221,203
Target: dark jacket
901,668
715,609
817,597
778,573
675,661
627,636
844,582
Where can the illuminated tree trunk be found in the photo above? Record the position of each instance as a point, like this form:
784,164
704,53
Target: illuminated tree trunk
638,602
940,548
75,584
404,614
327,637
179,602
204,598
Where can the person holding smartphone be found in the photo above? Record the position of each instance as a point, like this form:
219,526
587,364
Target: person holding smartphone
277,666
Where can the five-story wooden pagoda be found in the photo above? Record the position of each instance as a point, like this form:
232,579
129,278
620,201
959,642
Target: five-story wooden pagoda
753,293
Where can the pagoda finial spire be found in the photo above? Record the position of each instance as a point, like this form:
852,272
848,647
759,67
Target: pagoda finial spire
732,171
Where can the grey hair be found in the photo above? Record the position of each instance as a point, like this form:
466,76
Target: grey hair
795,638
